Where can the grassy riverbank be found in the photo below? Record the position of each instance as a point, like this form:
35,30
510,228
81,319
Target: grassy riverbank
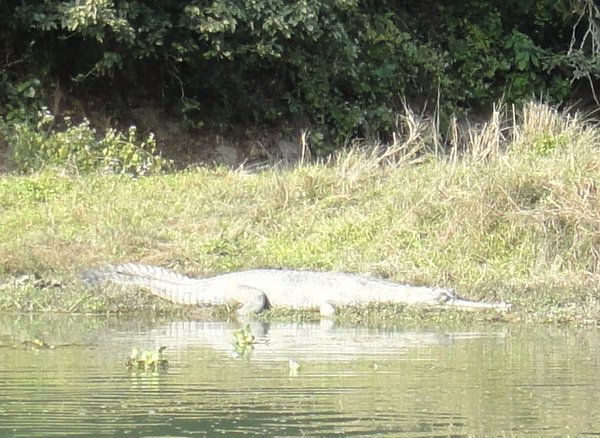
511,213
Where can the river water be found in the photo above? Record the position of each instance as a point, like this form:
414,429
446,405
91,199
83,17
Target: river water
298,380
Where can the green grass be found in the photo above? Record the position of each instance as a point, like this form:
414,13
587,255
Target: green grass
510,213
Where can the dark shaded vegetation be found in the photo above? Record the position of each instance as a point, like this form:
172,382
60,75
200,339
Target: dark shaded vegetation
339,67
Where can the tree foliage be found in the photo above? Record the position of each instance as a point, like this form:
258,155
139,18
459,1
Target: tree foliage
345,65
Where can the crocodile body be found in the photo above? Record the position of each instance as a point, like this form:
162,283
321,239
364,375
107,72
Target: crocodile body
260,289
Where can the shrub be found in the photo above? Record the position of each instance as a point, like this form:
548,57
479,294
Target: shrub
79,147
341,65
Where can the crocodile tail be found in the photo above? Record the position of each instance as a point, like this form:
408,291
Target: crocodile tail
132,273
164,283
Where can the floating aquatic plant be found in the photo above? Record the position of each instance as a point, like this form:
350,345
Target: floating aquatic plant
147,360
37,344
243,341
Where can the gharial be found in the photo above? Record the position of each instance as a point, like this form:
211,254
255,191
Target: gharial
260,289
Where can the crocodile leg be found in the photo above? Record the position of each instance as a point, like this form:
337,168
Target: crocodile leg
327,309
255,301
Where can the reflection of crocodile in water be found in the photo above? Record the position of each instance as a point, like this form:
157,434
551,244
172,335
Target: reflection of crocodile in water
259,289
309,342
